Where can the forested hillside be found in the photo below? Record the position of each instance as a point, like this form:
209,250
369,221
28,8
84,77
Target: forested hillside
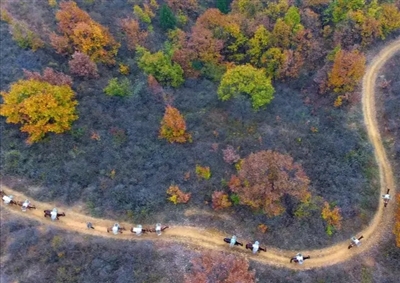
197,112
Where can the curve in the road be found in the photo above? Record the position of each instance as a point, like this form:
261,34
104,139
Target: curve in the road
204,238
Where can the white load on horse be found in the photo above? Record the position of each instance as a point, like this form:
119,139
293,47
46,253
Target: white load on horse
386,198
158,229
137,230
8,199
299,258
355,242
233,241
115,229
256,246
53,214
25,205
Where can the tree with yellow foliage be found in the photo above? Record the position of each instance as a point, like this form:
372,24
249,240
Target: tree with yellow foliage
40,107
332,218
81,32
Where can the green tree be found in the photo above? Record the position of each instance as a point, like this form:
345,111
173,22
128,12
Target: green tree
258,44
273,60
223,6
118,88
160,66
338,9
167,18
292,18
248,80
40,107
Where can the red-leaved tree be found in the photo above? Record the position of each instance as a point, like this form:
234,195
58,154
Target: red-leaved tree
264,177
82,66
49,75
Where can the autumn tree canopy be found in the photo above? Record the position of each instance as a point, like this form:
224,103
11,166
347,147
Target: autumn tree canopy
81,32
40,107
173,126
347,70
264,177
247,80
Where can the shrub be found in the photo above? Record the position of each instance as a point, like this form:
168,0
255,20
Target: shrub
264,177
82,66
396,229
49,75
177,196
124,69
25,37
332,218
52,3
173,126
248,80
220,200
160,66
40,107
118,88
262,228
235,199
230,156
203,172
218,267
154,86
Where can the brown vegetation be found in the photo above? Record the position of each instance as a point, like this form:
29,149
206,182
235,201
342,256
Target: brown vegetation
218,267
264,177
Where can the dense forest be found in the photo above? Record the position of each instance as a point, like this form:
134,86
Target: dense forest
194,112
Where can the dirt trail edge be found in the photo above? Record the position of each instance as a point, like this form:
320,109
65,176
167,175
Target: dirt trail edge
204,238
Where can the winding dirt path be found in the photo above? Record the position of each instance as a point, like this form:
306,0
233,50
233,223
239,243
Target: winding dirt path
205,238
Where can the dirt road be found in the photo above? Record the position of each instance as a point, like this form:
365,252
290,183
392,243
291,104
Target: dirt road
203,238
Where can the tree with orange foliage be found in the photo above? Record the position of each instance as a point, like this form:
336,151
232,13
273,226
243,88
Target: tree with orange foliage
205,45
134,36
219,267
183,5
81,32
228,29
40,107
396,229
177,196
264,177
332,218
347,70
173,126
220,200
